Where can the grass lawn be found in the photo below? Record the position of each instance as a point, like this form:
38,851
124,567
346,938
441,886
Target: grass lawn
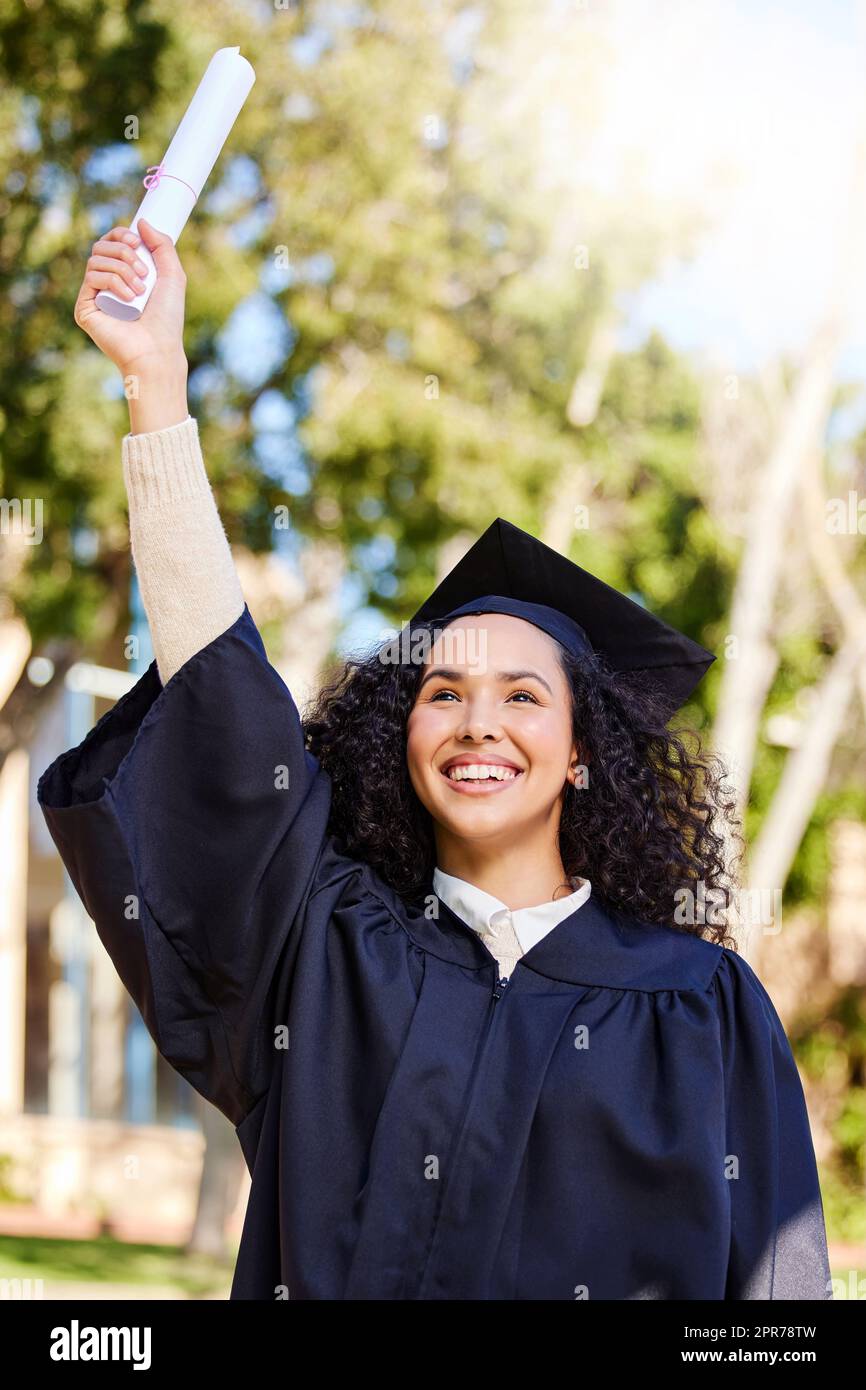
109,1261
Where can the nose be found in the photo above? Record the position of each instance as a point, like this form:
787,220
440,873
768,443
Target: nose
478,723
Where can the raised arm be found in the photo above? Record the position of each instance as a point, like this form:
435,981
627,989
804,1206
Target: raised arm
192,818
189,585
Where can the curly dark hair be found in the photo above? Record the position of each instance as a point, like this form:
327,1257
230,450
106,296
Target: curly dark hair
650,822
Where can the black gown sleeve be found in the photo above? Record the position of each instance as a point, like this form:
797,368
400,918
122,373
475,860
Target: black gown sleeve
778,1244
190,820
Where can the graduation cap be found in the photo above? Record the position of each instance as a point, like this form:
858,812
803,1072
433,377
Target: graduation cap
509,571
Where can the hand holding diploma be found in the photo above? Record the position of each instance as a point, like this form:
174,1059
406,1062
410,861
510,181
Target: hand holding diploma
173,186
148,351
131,302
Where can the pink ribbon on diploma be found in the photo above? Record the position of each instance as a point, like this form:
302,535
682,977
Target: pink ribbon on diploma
157,172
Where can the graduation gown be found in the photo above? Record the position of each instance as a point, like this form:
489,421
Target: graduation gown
621,1119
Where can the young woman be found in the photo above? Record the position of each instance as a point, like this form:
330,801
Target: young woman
425,951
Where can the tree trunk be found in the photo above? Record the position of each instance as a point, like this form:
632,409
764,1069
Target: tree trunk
221,1174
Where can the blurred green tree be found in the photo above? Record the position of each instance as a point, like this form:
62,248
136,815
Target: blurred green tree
383,330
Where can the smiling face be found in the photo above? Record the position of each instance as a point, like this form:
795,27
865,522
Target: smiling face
490,743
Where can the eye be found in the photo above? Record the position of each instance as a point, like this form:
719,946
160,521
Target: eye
440,693
528,694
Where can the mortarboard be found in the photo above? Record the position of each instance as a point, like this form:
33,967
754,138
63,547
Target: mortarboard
509,571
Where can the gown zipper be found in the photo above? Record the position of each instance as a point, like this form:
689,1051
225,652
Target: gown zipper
500,986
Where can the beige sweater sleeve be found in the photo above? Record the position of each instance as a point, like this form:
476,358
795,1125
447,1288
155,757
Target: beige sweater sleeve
189,585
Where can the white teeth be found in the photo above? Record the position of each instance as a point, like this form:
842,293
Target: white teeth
480,772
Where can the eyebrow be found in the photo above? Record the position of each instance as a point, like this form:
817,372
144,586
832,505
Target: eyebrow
444,673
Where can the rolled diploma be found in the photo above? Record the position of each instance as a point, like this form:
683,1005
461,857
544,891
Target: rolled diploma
193,152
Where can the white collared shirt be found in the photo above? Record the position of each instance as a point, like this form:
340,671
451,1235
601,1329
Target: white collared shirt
493,920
